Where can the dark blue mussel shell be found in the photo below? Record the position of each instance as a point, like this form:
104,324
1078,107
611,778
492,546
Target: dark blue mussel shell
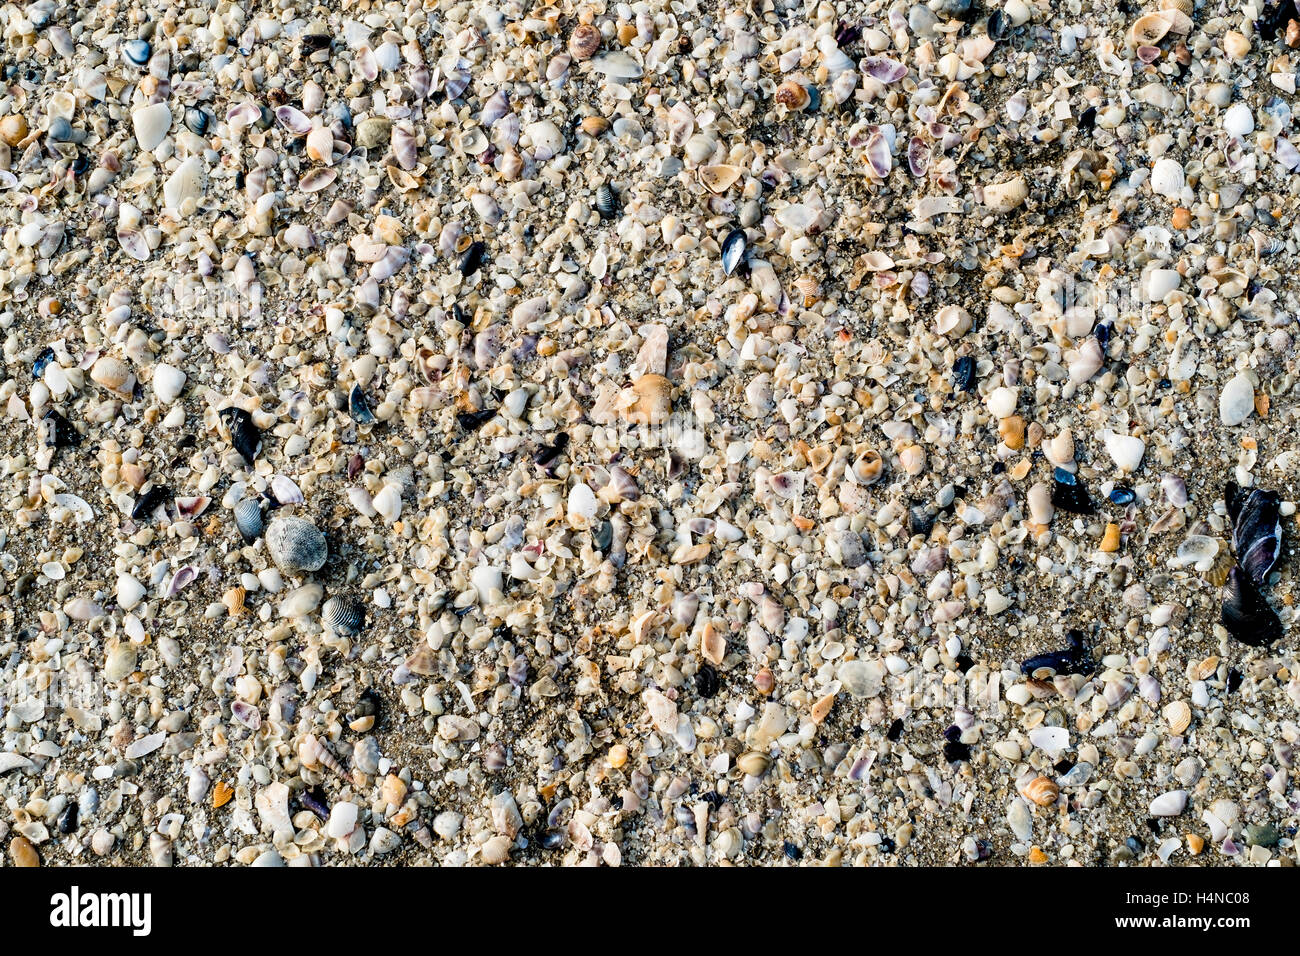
1069,660
1256,529
1068,494
1246,615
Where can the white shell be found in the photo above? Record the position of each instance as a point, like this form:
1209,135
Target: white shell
151,124
1169,804
1237,400
1167,178
1125,450
168,382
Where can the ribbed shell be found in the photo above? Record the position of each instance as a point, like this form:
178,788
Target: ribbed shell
343,615
248,519
295,545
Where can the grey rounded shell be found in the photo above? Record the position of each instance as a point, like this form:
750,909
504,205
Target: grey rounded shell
248,519
295,545
343,615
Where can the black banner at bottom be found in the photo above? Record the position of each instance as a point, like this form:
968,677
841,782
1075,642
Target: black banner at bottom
156,905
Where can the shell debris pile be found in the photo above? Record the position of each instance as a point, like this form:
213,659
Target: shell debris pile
601,432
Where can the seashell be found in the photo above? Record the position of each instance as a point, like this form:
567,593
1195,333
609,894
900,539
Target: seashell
1198,550
244,435
882,68
191,506
1150,29
1174,490
1065,661
952,320
317,179
1006,196
653,404
1178,716
404,147
150,502
733,250
1050,740
918,156
301,601
294,120
248,519
720,178
313,753
1084,362
472,260
113,375
137,51
1169,804
1237,400
387,502
151,124
359,408
546,140
793,95
168,382
1256,529
584,42
606,201
1167,178
1245,614
343,615
320,145
1041,791
1069,494
285,491
1039,500
1125,450
681,124
295,545
878,155
234,599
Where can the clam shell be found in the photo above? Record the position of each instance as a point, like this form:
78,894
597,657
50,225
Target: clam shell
343,615
295,545
1177,715
720,178
248,519
1041,791
317,179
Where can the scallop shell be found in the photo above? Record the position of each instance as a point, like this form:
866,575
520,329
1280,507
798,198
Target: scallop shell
248,519
343,615
1041,791
295,545
1177,715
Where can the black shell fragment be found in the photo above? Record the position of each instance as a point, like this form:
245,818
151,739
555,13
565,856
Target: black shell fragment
547,454
1068,660
1256,529
59,432
148,502
472,260
359,408
706,681
244,435
317,801
68,818
1069,495
733,250
1275,18
1246,615
470,421
963,374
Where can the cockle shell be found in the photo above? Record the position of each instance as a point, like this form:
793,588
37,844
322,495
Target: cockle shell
295,545
248,518
343,615
1178,716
